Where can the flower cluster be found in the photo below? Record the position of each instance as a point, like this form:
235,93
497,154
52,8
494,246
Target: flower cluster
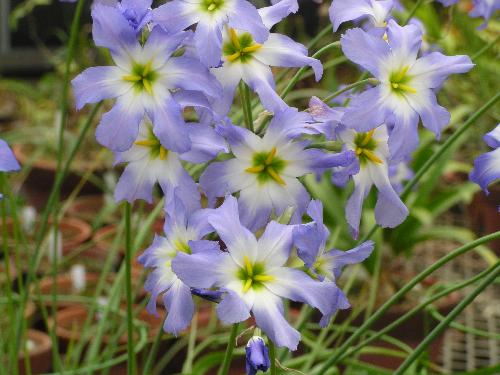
234,196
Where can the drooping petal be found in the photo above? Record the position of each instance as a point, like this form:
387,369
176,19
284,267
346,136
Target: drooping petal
178,69
364,49
208,41
486,169
366,111
260,79
169,126
354,205
338,259
206,143
268,312
280,50
175,16
275,244
111,30
435,67
198,270
403,139
492,138
239,240
232,309
350,10
434,117
229,75
244,16
180,308
8,162
390,211
405,41
273,14
98,83
119,127
136,182
157,282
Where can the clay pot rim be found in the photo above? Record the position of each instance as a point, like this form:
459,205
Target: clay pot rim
43,341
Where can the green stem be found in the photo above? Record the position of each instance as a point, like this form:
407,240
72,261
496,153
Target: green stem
449,318
128,290
272,357
35,260
188,364
415,310
398,295
485,48
224,370
301,71
153,351
412,12
350,87
246,104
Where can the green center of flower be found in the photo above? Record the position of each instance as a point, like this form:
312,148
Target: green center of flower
156,150
239,47
211,5
365,147
252,275
400,82
267,167
142,77
182,246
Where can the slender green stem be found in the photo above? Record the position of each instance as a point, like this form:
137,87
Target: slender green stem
152,352
485,48
449,318
272,357
320,35
398,295
35,260
301,71
246,104
188,363
412,12
224,369
131,369
415,310
350,87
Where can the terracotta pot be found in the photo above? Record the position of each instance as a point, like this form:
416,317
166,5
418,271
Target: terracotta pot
65,287
87,207
41,178
484,216
74,232
40,355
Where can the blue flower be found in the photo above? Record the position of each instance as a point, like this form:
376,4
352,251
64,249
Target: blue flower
137,12
181,228
484,9
376,11
148,163
253,275
487,166
407,85
142,81
245,58
257,356
265,170
8,162
210,17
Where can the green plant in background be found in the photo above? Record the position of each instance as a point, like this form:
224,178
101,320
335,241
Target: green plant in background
186,262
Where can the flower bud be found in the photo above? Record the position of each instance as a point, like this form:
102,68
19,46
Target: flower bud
257,356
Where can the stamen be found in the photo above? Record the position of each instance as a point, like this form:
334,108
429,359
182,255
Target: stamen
407,88
371,155
211,7
368,137
234,38
271,156
256,169
395,85
132,78
248,285
263,278
254,47
163,153
146,142
147,86
401,74
234,56
248,266
147,68
275,176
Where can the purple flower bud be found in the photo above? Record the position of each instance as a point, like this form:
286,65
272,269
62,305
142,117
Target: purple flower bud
209,295
257,356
